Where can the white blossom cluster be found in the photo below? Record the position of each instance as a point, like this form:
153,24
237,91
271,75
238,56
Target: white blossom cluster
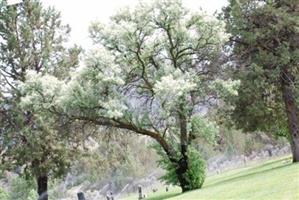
95,85
154,53
173,85
40,90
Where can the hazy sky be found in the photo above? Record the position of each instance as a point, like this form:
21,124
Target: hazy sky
79,14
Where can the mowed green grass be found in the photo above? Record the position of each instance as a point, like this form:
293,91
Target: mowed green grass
274,180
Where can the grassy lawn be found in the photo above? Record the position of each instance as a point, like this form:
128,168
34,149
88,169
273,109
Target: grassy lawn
273,180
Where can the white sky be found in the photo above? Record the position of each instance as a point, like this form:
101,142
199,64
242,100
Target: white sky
79,14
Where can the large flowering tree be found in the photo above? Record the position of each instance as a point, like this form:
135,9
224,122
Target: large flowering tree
154,70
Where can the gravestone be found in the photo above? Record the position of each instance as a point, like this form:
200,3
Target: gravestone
80,196
140,196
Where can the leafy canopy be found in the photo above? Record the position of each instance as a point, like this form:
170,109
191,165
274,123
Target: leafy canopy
155,67
264,37
32,42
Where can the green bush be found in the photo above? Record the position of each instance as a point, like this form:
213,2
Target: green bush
3,195
21,189
195,174
32,195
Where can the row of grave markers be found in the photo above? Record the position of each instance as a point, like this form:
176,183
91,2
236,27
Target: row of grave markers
110,196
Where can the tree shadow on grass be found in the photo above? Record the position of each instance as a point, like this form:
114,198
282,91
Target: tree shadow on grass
247,175
257,168
252,169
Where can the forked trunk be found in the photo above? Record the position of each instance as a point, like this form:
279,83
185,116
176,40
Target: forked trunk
291,112
42,187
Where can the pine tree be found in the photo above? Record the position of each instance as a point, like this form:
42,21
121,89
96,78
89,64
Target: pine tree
32,39
265,43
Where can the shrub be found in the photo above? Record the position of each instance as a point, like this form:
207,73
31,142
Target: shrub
32,195
21,189
3,195
195,173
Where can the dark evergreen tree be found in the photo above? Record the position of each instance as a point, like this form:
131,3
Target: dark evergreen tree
32,39
265,41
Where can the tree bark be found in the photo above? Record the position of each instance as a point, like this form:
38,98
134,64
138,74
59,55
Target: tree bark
42,187
291,112
183,161
180,171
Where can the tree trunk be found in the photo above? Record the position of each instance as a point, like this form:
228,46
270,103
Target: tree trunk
180,171
183,162
291,112
42,187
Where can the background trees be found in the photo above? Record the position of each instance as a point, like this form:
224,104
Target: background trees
264,38
32,38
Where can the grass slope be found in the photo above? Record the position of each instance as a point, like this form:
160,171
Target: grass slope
273,180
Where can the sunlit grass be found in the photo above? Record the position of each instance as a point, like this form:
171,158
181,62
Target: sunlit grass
276,179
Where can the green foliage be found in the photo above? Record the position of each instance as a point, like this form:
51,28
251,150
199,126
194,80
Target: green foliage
32,195
196,170
3,195
32,40
153,71
22,189
155,68
264,41
203,128
195,173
